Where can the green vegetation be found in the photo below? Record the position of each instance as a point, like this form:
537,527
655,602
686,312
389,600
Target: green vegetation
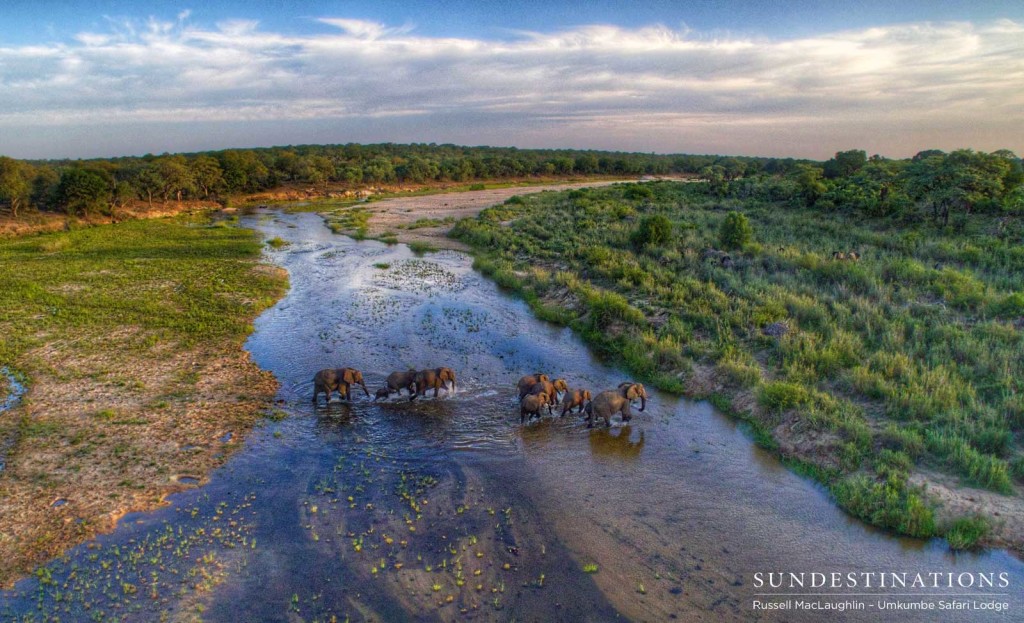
277,242
173,280
878,302
966,532
419,247
735,232
100,186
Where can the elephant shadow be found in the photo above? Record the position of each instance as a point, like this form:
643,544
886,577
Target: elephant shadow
616,443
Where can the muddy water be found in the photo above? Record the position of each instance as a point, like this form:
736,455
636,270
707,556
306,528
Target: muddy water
447,509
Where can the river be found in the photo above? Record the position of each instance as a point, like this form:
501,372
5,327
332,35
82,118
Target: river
447,509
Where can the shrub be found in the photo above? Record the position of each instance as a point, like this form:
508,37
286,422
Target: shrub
735,232
638,191
779,396
1011,306
419,247
654,230
889,504
966,532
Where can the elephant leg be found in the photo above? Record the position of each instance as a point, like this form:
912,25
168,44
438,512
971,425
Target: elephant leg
437,388
522,416
627,413
316,392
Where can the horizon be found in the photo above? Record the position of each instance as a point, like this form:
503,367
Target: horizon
756,79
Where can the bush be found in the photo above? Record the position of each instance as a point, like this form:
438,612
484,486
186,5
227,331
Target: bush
654,230
736,231
889,504
780,396
966,532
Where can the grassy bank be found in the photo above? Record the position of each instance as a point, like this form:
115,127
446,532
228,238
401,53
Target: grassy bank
862,373
129,337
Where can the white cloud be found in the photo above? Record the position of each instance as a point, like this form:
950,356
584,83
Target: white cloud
893,89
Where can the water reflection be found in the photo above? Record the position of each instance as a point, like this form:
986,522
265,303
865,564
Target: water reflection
616,444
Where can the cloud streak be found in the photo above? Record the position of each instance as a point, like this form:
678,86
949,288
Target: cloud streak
893,89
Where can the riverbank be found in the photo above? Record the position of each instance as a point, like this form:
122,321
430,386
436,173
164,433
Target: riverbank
423,220
331,199
806,348
129,337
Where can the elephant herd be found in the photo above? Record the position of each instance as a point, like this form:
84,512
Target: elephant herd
536,391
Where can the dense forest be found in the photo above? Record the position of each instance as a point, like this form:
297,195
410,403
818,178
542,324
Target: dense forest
80,187
865,315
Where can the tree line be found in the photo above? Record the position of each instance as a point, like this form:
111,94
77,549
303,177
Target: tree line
943,187
80,187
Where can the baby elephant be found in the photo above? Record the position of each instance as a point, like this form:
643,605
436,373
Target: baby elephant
396,382
576,398
550,389
340,379
531,406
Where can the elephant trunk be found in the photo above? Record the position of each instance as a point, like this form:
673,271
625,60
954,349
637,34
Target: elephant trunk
363,385
643,402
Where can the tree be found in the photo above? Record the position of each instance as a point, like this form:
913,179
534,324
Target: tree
14,183
207,174
176,176
808,180
958,180
81,191
845,163
735,232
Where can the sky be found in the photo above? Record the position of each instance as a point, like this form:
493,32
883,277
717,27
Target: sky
796,78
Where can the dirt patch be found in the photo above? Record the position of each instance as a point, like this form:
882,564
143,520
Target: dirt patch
393,215
1004,513
112,432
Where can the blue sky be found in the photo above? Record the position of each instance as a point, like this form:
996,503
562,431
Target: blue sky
800,78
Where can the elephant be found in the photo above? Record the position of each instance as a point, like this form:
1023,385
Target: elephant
612,401
576,398
397,381
527,382
551,389
434,378
531,406
330,379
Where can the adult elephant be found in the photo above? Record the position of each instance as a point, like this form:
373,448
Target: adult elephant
397,381
549,389
341,379
613,401
435,378
526,383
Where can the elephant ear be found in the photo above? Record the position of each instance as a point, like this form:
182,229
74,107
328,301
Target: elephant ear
542,378
349,376
635,391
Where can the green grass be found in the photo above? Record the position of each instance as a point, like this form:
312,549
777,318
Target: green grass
277,242
172,280
966,532
419,248
912,349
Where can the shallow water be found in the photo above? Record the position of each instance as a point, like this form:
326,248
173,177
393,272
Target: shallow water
14,391
447,508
